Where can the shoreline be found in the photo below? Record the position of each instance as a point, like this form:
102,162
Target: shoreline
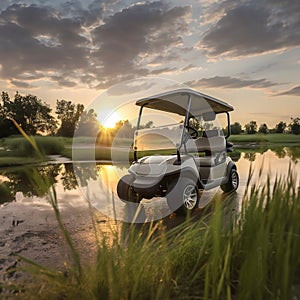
52,159
31,230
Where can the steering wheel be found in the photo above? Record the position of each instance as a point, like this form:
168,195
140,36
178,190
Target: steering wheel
193,132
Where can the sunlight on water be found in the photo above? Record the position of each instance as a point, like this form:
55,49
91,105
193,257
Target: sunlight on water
98,183
110,175
271,165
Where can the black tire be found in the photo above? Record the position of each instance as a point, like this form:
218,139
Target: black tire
183,195
233,182
124,189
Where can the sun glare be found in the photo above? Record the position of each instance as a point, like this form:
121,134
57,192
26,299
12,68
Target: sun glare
111,121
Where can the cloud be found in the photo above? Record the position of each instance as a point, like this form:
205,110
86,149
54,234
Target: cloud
88,16
295,91
21,84
68,43
63,81
253,27
129,39
188,68
35,39
230,82
162,71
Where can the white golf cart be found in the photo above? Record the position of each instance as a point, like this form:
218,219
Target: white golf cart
179,159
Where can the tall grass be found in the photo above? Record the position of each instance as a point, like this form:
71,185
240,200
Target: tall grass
255,256
20,146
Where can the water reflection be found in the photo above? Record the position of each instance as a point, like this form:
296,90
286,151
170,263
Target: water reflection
293,153
250,153
251,156
100,180
21,180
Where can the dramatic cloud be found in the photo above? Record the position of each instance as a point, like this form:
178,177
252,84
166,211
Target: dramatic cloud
254,27
88,16
130,39
36,39
230,82
71,44
292,92
21,84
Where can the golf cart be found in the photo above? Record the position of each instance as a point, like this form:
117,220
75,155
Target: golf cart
179,159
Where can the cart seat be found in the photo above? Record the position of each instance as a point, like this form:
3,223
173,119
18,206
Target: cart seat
210,142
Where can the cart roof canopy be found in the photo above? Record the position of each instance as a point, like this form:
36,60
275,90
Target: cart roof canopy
175,101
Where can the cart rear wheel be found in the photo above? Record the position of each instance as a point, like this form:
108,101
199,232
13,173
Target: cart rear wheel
233,182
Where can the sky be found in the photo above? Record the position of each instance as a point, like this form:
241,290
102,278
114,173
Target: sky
246,53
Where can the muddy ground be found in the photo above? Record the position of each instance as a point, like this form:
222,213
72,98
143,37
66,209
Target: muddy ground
30,229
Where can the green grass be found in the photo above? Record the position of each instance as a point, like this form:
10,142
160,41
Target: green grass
254,255
266,139
19,151
108,154
8,161
20,148
47,145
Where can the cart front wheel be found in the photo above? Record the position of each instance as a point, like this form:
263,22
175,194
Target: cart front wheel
125,191
183,196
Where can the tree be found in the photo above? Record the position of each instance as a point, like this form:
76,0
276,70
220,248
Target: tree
88,124
33,115
251,127
236,128
263,128
294,126
6,126
68,113
280,127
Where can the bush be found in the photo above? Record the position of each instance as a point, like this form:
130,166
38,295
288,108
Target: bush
49,145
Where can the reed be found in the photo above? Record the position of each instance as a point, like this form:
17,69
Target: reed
21,147
254,255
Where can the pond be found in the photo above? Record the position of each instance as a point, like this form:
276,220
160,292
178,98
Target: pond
98,182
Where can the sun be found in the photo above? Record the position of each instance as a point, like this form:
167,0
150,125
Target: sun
111,120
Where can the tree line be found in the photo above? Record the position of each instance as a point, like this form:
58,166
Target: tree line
36,117
252,127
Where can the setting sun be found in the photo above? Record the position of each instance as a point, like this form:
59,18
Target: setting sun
111,120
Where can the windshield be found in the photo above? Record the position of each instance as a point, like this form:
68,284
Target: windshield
161,137
160,129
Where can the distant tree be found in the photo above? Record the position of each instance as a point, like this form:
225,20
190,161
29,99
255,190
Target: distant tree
236,128
123,129
68,113
251,127
263,128
280,127
199,124
7,128
33,115
88,124
294,126
108,136
149,124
